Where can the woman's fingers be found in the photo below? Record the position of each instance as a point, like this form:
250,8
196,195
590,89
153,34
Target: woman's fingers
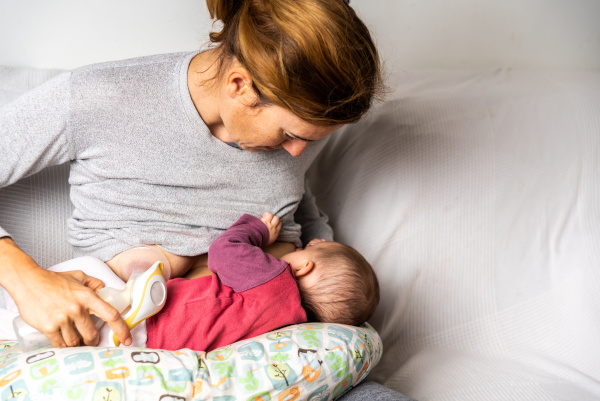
60,332
80,321
92,282
100,308
112,317
88,331
70,297
79,312
73,316
69,335
55,338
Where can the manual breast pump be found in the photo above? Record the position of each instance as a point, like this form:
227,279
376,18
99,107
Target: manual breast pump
144,295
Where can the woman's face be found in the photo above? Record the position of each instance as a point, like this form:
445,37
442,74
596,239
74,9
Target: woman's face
271,127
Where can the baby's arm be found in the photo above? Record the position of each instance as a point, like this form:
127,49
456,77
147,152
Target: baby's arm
236,255
273,225
200,268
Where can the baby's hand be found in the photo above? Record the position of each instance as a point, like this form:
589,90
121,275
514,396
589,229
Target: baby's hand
273,224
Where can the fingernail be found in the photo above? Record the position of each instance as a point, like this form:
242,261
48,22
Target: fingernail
128,341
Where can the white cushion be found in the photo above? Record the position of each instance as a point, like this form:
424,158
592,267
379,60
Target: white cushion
476,196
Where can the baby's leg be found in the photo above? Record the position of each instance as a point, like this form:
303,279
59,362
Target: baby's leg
137,260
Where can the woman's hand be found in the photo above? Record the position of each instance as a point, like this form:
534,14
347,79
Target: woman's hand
56,303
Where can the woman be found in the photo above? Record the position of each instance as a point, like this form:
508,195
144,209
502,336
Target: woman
170,149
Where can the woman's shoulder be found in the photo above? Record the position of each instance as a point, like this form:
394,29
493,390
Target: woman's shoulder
150,69
123,81
156,59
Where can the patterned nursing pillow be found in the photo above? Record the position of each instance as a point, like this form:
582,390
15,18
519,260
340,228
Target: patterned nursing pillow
316,361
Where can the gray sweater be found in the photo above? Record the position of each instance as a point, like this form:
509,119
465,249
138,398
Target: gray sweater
145,169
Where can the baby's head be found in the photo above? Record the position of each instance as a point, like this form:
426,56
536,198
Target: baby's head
337,284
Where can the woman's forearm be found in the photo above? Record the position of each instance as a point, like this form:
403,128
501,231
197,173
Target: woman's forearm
14,265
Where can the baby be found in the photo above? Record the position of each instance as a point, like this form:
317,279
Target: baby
252,292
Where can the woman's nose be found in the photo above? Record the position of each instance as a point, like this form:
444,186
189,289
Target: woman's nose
295,147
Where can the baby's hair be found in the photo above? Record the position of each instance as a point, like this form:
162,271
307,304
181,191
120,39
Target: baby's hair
347,289
315,58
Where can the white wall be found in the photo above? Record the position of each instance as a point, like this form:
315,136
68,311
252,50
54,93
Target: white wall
71,33
412,34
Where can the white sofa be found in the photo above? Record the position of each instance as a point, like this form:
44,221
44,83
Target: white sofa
476,197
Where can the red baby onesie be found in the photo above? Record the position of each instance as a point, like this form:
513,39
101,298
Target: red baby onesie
251,293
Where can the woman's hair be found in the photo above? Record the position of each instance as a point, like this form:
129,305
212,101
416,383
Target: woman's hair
315,58
346,290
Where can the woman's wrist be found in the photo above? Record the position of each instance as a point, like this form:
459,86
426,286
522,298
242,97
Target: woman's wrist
14,266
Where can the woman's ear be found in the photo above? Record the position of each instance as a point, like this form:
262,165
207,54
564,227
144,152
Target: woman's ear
238,85
304,269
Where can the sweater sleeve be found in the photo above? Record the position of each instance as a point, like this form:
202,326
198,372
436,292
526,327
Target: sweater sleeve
33,131
311,218
237,258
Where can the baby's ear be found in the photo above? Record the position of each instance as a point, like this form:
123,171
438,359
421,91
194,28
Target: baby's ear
304,269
